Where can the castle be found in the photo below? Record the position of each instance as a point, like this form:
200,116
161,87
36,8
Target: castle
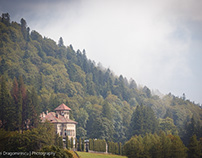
60,118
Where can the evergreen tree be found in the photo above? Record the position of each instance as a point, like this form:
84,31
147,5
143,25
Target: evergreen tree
194,148
15,90
150,121
6,112
106,111
60,42
191,129
23,28
79,145
19,112
120,148
15,96
72,142
67,142
168,114
60,141
90,144
178,149
143,121
165,144
83,145
136,125
21,102
3,66
76,144
5,19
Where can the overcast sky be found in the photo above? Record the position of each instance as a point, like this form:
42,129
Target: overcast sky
158,43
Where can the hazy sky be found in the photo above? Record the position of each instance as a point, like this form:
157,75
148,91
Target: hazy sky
158,43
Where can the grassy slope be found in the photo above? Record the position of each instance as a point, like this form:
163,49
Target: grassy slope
94,155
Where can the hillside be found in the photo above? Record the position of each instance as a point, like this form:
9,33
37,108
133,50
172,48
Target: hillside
101,102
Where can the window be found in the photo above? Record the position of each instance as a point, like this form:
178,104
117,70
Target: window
70,132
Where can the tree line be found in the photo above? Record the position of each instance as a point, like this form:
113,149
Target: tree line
162,145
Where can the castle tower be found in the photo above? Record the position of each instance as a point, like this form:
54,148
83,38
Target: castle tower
63,110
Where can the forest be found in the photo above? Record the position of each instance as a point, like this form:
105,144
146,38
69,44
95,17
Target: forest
38,74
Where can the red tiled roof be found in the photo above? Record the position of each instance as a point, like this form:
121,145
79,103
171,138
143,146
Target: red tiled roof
51,116
62,107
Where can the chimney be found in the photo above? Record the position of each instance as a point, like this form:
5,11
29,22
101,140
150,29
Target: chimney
43,114
46,112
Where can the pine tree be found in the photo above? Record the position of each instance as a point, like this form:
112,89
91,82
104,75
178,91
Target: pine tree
21,102
19,113
60,42
143,121
67,142
72,142
90,144
60,142
15,96
136,125
165,144
83,145
6,112
178,149
79,145
76,145
120,148
35,110
191,129
56,140
106,111
193,148
15,91
6,19
23,28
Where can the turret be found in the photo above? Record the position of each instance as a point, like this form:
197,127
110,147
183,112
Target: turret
63,110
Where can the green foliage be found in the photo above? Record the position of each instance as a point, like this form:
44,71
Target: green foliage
76,144
155,146
168,126
194,150
60,42
113,148
67,142
120,149
60,142
91,144
6,112
80,145
83,145
72,142
98,145
106,111
192,128
30,140
143,121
